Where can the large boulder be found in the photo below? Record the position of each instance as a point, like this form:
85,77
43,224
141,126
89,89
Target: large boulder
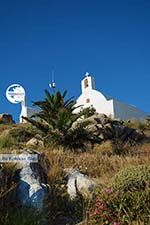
106,128
6,119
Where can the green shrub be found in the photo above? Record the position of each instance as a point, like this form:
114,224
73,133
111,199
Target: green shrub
23,133
7,141
89,111
4,127
132,178
16,135
126,200
132,186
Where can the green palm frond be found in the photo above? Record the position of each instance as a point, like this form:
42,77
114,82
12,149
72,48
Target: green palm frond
41,126
64,94
57,120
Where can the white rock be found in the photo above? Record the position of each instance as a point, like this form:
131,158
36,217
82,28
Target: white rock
78,182
35,141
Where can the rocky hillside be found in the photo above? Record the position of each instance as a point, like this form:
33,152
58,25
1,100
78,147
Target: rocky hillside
105,182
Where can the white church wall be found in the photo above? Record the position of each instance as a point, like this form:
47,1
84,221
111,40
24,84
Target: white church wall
93,98
125,112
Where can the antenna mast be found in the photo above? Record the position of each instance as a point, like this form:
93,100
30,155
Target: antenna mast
52,84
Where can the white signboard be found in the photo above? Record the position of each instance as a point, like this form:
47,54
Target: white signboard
15,93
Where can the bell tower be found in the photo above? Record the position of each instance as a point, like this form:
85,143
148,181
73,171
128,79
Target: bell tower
87,83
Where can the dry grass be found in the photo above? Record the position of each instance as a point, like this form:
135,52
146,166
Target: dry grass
4,127
93,163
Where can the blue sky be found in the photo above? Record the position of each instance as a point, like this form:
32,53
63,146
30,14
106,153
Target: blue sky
110,39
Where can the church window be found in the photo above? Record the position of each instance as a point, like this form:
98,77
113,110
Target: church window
86,83
87,100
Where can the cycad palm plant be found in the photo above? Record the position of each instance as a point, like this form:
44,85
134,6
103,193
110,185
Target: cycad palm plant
56,118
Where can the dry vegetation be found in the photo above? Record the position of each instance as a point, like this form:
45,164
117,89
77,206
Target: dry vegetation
100,162
95,164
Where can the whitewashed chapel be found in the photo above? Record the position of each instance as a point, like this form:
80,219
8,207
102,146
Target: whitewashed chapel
93,98
111,107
